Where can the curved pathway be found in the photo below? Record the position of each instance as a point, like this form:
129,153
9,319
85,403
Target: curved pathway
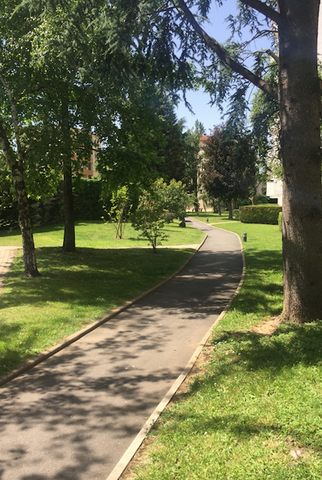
74,415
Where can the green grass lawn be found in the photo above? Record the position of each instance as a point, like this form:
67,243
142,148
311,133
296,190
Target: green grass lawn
254,409
76,289
101,235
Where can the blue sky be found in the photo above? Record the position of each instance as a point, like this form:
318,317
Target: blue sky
208,115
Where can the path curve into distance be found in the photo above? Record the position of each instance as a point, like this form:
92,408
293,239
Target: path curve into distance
74,415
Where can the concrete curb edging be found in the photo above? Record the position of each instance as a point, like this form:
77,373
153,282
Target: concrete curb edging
29,364
137,442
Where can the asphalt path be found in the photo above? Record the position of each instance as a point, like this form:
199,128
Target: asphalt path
74,415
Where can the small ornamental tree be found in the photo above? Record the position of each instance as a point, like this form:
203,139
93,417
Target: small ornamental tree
229,166
160,205
120,206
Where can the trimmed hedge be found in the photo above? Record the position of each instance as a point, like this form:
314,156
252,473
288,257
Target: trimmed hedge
260,214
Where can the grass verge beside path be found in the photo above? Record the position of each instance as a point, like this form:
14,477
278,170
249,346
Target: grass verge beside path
76,289
253,409
101,235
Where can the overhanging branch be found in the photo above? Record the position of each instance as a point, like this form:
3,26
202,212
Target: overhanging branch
264,9
215,47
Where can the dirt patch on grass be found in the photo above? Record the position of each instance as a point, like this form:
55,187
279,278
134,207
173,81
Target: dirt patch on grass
268,326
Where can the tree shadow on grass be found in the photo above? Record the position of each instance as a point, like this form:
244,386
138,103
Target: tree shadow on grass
90,276
239,358
288,346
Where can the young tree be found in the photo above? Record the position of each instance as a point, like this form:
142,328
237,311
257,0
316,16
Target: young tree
120,205
229,166
157,206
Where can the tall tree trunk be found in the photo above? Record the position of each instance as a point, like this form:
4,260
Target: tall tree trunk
29,256
230,209
69,243
219,208
299,102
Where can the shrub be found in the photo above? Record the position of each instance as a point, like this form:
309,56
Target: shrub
236,214
260,214
262,199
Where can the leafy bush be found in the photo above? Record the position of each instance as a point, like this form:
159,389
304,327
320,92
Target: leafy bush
267,214
261,199
236,214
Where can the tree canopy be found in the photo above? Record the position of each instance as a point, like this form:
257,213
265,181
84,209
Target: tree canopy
229,165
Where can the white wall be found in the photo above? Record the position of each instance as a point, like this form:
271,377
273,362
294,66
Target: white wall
274,189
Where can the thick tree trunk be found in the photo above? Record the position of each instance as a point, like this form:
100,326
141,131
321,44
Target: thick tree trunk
69,243
219,208
299,102
29,256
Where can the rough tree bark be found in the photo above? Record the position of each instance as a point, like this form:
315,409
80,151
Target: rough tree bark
16,167
299,103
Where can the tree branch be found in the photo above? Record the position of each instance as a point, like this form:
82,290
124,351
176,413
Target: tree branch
215,47
264,9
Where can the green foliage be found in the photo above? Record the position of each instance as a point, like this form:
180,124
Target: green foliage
88,203
229,164
192,159
264,117
157,206
120,202
265,214
261,199
145,142
47,211
171,147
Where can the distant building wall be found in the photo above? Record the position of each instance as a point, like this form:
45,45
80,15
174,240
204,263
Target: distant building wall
274,190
